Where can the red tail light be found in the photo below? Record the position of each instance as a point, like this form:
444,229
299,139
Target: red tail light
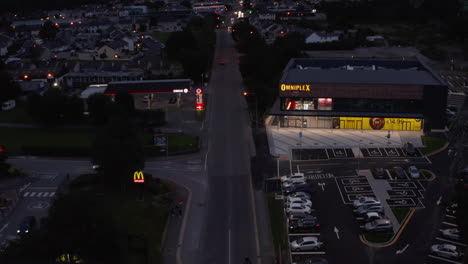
318,224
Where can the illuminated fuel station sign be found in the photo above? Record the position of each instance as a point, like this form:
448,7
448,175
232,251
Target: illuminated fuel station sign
199,104
138,177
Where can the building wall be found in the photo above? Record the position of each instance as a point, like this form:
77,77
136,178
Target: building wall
435,102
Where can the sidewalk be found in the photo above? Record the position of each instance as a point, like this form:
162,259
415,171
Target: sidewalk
170,239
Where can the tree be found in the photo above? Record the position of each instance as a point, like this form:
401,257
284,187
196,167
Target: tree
55,108
8,88
99,107
186,4
118,150
48,30
125,104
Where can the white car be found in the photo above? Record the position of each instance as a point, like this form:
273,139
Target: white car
446,251
413,172
306,243
289,183
295,176
300,195
451,233
365,200
301,201
298,208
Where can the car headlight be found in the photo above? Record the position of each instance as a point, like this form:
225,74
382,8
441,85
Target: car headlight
17,231
26,231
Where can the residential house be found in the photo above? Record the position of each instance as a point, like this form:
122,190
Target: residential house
169,24
322,37
5,43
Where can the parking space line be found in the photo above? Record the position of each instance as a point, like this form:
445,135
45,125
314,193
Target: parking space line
450,241
26,194
277,168
51,194
310,253
439,258
298,170
450,224
33,194
290,167
305,234
337,186
451,216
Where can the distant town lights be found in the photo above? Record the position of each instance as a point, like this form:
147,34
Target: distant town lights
55,84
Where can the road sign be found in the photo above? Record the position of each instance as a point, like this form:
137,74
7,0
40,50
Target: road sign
138,177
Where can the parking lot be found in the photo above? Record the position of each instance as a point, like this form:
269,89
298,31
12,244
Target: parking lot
347,153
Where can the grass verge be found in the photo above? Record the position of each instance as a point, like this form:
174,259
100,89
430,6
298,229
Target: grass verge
378,237
14,138
278,223
400,213
19,115
432,144
427,174
161,36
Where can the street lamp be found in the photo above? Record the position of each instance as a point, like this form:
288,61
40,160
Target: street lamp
256,106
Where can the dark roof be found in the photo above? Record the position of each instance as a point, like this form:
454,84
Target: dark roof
352,71
147,86
275,110
117,44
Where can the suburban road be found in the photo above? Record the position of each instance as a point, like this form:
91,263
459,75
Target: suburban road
229,232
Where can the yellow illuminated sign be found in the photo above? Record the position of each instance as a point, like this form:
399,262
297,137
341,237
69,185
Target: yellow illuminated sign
138,176
380,123
295,87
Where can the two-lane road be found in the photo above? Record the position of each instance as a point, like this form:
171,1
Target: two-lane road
229,234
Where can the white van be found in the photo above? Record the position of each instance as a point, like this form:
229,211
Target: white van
8,105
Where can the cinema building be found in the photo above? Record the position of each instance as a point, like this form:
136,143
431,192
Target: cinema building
360,94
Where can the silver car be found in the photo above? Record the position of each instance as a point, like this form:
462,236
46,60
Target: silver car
306,243
300,195
365,200
413,172
378,225
451,233
370,208
446,251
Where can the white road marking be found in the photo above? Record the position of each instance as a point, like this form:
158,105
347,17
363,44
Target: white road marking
444,259
337,186
32,194
336,232
229,246
440,199
277,168
400,251
451,241
450,224
290,167
451,216
5,226
26,194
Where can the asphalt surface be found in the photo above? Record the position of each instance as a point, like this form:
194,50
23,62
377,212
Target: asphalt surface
228,235
422,231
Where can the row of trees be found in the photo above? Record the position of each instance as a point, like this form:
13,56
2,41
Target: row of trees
261,64
194,46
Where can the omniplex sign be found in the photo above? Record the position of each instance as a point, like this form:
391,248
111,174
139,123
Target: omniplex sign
295,87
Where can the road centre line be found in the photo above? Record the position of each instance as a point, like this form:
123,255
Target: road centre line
450,224
439,258
450,241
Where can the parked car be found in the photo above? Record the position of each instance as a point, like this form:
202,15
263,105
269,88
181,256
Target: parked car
365,200
379,225
372,216
300,195
26,225
409,148
295,176
307,223
312,261
413,172
293,183
8,105
399,173
293,216
298,188
96,167
446,251
451,233
298,208
295,200
364,209
306,243
379,173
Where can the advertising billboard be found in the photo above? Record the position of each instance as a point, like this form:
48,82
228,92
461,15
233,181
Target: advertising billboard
380,123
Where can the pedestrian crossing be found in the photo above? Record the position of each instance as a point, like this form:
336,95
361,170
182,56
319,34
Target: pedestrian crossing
39,194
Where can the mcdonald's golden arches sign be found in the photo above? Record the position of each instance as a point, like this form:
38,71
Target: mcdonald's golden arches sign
138,176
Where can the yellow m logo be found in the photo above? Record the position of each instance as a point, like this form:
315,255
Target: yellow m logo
138,176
